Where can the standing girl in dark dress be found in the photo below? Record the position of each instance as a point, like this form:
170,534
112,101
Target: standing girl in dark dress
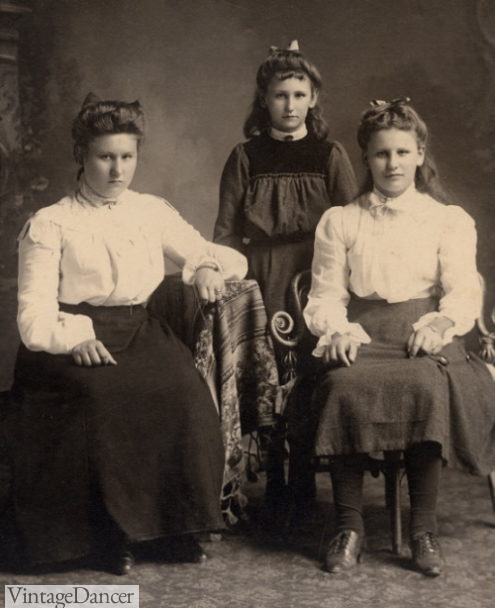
275,186
273,191
115,437
394,286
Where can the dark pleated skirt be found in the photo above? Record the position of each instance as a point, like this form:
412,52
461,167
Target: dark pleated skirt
388,401
143,436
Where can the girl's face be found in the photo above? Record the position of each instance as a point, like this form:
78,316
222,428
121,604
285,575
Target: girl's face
110,162
288,102
393,155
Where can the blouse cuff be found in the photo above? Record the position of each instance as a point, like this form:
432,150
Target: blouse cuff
77,329
355,330
189,269
426,319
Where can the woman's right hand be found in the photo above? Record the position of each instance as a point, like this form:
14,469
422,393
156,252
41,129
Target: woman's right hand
342,349
91,353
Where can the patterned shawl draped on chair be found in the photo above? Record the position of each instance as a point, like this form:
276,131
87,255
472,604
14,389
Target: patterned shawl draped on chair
232,350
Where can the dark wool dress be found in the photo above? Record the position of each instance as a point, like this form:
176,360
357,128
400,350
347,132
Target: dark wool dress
388,401
272,195
142,438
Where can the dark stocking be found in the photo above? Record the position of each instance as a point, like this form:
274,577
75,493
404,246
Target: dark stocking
347,482
423,466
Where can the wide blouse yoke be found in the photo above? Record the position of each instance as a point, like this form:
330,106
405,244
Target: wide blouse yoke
273,189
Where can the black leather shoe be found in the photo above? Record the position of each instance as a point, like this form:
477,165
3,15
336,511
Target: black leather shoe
344,551
426,554
120,562
186,549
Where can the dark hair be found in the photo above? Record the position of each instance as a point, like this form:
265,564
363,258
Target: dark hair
399,114
98,117
284,64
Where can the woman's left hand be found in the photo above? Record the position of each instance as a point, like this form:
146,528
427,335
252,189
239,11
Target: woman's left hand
210,284
426,340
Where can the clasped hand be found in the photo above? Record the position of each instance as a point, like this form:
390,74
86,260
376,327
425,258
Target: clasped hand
210,284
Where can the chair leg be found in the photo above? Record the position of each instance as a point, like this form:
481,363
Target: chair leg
396,513
392,472
491,485
275,454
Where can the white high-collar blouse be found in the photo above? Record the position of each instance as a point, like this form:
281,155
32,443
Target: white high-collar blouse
394,249
78,250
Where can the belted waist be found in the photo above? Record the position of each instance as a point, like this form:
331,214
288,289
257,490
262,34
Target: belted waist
115,326
100,311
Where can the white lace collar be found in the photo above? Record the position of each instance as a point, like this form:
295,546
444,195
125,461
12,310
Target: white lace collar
87,196
294,136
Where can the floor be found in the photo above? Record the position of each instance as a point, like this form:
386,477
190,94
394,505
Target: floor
265,566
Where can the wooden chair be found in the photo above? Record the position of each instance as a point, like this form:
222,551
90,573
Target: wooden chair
290,330
487,353
5,469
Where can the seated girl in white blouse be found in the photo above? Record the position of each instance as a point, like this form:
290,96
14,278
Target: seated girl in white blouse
115,435
394,284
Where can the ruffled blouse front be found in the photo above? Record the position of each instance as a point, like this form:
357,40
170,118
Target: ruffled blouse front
410,247
106,255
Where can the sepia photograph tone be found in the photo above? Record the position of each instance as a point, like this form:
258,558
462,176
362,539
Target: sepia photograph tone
247,303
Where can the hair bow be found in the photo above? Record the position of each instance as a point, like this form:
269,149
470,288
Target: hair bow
90,99
374,103
293,46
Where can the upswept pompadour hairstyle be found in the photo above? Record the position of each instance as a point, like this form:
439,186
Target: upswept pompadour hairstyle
98,117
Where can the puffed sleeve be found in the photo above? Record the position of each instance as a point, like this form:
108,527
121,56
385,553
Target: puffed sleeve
233,184
341,180
462,295
326,310
41,325
185,246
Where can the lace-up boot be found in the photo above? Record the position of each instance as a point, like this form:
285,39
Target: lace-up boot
344,551
426,554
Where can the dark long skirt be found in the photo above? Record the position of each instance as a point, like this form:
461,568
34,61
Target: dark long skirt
143,436
388,401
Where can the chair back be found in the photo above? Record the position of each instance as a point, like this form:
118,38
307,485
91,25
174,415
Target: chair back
289,328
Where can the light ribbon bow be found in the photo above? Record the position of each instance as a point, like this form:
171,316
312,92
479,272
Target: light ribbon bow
293,46
380,205
399,101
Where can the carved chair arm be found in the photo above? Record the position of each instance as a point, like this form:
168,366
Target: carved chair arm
289,329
